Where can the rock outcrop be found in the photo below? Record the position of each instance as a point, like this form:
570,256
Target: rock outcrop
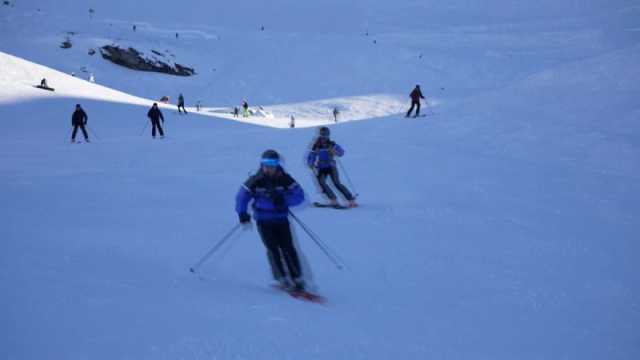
134,59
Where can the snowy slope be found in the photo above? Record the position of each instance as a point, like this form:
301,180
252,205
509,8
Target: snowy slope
504,226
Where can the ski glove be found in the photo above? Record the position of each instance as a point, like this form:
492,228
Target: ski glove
244,218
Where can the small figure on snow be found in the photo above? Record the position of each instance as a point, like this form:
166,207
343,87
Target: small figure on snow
43,83
245,108
292,123
198,105
415,95
335,114
181,104
321,157
155,115
79,120
236,111
134,28
273,191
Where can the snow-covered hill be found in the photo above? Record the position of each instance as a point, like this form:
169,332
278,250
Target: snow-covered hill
503,225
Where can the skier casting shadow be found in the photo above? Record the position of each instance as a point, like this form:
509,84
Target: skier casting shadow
321,157
155,115
273,191
79,120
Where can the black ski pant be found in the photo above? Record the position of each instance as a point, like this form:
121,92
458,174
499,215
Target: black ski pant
321,175
75,131
414,103
181,105
276,236
155,123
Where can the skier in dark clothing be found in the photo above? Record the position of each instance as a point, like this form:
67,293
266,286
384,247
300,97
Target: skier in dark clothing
415,95
273,191
155,115
321,157
79,120
181,104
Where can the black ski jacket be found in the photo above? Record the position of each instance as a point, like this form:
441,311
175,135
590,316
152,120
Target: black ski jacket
79,117
416,95
155,114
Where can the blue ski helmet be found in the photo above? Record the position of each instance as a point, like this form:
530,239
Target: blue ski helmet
270,158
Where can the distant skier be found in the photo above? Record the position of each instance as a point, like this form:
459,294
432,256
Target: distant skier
43,83
79,120
245,108
415,95
335,114
236,111
155,115
273,191
198,105
134,28
181,104
292,123
321,157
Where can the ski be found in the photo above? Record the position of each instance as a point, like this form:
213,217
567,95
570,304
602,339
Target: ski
338,206
44,88
302,295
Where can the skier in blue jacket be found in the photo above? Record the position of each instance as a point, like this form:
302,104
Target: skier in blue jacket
321,157
273,191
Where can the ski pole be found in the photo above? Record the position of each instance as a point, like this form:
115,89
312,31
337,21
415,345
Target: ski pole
327,251
346,174
429,108
214,248
144,128
93,133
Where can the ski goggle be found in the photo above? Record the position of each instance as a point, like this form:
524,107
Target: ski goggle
270,162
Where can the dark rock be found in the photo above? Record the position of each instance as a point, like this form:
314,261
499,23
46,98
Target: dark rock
133,59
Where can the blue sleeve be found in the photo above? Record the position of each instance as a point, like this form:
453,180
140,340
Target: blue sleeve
294,195
338,150
311,158
242,199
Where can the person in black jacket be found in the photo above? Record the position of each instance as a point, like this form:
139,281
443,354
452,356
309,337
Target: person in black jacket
155,115
181,104
79,120
415,95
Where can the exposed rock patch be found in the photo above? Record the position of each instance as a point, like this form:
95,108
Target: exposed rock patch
133,59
